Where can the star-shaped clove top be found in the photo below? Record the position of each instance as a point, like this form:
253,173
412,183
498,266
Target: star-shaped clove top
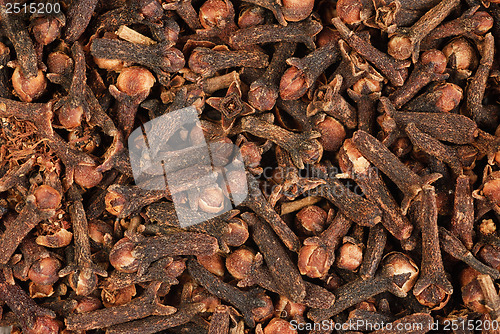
231,106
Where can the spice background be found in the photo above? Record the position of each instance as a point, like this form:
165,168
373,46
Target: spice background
368,136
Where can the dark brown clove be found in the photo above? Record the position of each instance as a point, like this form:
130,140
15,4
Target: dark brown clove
482,115
154,324
455,248
83,272
364,174
19,37
304,71
303,148
280,264
141,307
244,301
40,204
406,180
432,289
160,57
298,32
462,221
443,97
207,61
430,67
264,91
327,99
405,42
318,253
375,245
356,291
395,70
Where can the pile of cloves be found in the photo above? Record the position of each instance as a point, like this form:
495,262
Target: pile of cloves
365,136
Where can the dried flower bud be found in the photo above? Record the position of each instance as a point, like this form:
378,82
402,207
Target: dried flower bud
251,16
332,134
354,11
40,290
279,326
325,36
121,256
46,29
293,84
490,255
221,150
211,200
44,271
135,80
367,86
396,263
87,176
436,59
483,22
213,263
58,62
314,261
70,117
98,230
472,294
239,262
216,13
118,297
350,256
200,295
297,10
289,308
263,313
460,54
236,233
491,188
28,89
311,219
47,198
251,154
44,325
151,9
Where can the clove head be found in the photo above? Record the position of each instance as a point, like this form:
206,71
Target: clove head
332,133
47,198
400,47
434,61
216,13
239,262
135,81
69,116
314,259
354,11
46,29
279,326
28,89
87,176
122,258
396,263
297,10
293,84
311,219
472,294
44,271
